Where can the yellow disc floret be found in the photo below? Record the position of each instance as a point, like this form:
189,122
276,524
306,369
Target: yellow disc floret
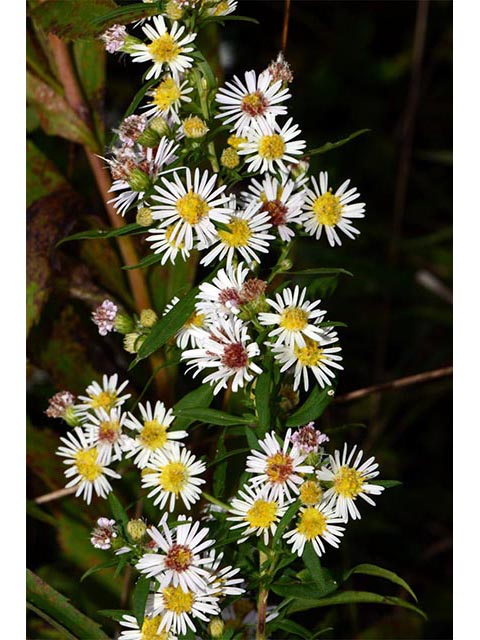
177,600
153,435
173,243
173,477
348,482
195,320
310,493
166,94
104,400
311,523
262,514
164,48
279,467
238,235
192,208
150,629
327,209
87,465
310,355
294,319
271,147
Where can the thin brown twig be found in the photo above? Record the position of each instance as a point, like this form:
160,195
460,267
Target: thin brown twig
396,384
55,495
286,20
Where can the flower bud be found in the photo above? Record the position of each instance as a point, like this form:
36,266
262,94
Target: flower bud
123,323
71,417
130,342
149,138
136,529
216,627
148,318
229,158
300,168
138,180
144,216
236,141
129,43
286,264
194,127
160,125
173,11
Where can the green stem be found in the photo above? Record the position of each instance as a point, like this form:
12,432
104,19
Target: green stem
202,95
213,500
262,604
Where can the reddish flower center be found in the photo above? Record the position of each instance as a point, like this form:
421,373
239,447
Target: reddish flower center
254,104
235,356
179,558
229,295
277,210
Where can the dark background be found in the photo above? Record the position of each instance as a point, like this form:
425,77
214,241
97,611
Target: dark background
353,64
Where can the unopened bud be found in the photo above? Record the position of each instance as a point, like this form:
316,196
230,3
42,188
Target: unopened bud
173,11
130,342
144,216
300,168
136,529
194,127
123,323
160,125
148,318
229,158
236,141
216,627
71,417
138,180
129,44
149,138
286,264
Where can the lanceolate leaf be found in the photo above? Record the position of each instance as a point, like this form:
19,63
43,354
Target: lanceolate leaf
312,563
285,521
140,595
313,407
201,397
73,19
263,400
328,146
212,416
53,604
379,572
95,234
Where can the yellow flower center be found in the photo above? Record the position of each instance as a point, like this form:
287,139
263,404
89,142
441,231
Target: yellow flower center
86,461
262,514
312,523
104,400
310,355
194,127
108,430
150,629
348,482
173,243
254,104
195,320
271,147
327,209
192,208
173,477
179,558
164,48
239,233
294,319
166,94
279,467
177,600
220,8
310,492
153,434
236,141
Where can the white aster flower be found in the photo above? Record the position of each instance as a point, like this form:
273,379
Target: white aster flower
162,242
350,480
315,524
278,469
191,208
107,396
227,349
308,439
179,606
152,432
167,97
279,200
223,578
149,631
316,356
257,512
173,473
179,561
85,468
269,145
243,103
166,48
134,170
295,318
324,209
104,429
224,293
246,236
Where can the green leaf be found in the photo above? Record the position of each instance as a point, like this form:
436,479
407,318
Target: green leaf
302,590
312,563
47,600
348,597
291,627
55,114
285,521
312,408
198,398
328,146
66,635
98,567
262,400
252,438
75,18
167,326
231,18
212,416
118,512
229,454
114,614
388,484
140,595
147,261
373,570
95,234
321,271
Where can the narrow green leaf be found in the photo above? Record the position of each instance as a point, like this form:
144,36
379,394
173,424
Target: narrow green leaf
114,614
285,521
147,261
231,18
262,400
140,595
328,146
118,512
229,454
320,271
312,408
212,416
252,438
312,563
388,484
373,570
167,326
291,627
95,234
347,597
98,567
46,599
198,398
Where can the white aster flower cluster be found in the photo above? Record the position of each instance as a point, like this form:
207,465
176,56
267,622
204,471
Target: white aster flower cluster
326,489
